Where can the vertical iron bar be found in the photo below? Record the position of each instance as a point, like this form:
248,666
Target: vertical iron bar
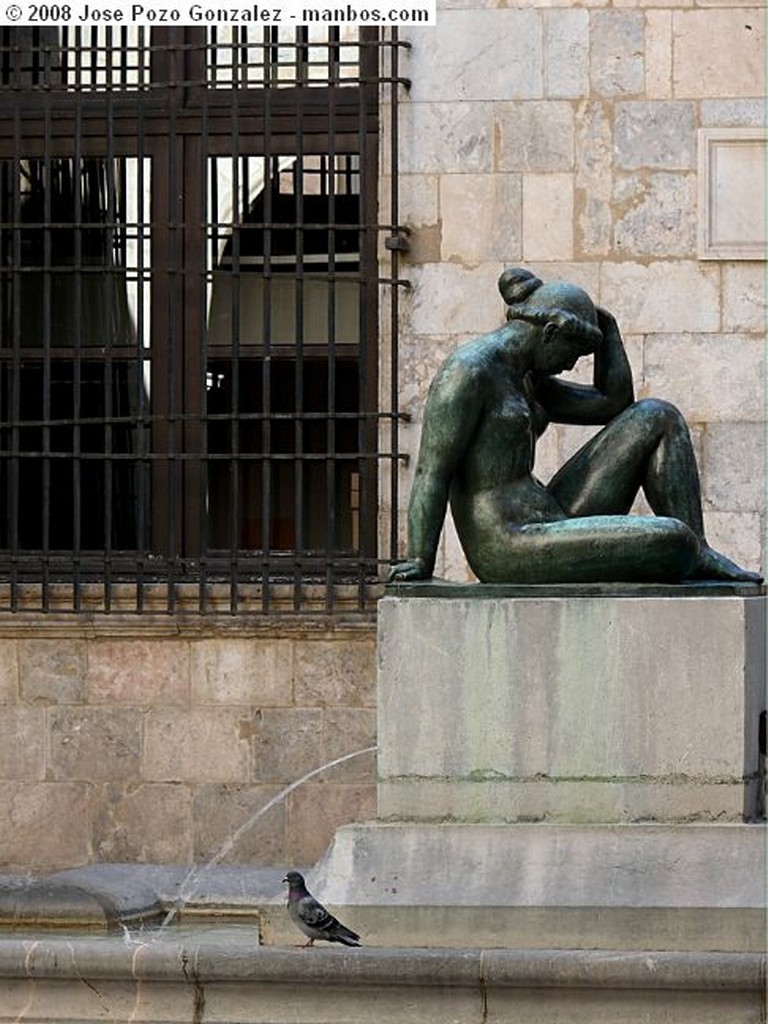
77,410
47,271
15,467
367,271
108,347
203,505
394,307
142,427
299,481
266,402
330,446
237,466
175,337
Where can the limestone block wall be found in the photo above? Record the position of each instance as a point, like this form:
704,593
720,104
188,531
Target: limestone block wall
567,137
154,741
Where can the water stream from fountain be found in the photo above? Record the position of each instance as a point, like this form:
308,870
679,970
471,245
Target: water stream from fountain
186,889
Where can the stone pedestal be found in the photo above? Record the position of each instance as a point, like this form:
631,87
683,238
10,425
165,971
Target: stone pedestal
570,768
570,704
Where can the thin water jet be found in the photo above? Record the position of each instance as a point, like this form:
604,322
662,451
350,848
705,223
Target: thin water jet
195,873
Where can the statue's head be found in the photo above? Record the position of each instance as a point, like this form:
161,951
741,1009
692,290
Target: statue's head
564,311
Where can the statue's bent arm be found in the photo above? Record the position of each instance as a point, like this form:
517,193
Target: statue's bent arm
611,392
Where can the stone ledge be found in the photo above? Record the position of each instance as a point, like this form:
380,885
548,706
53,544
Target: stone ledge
476,591
206,956
189,625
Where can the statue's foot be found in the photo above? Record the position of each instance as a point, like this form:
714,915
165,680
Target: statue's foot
714,566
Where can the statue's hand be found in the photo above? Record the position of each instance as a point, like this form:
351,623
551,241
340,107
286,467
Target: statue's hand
412,569
606,321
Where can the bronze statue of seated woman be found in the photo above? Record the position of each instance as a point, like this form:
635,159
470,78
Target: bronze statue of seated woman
489,403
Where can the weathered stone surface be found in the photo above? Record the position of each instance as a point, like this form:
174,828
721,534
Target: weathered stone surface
436,304
560,708
585,274
547,217
664,297
659,135
251,672
437,135
480,217
738,533
418,198
9,672
653,3
658,54
287,743
736,362
566,50
138,672
616,60
221,822
594,178
744,297
22,743
536,136
144,823
52,671
315,811
329,673
94,744
746,113
504,45
345,731
420,360
734,45
734,466
201,745
47,824
656,215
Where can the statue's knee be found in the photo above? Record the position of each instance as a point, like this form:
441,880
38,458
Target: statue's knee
660,411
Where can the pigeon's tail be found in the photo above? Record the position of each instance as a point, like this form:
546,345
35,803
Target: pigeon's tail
346,936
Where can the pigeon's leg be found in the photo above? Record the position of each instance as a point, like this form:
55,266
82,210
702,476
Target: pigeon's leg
308,944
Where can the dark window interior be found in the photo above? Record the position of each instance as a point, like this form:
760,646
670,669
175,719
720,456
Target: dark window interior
189,289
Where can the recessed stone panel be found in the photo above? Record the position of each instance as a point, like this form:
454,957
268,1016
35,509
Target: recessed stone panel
732,168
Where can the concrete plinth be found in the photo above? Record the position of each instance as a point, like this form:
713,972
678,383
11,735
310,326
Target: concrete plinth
573,704
698,887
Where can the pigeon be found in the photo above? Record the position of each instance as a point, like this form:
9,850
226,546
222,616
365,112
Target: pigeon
312,917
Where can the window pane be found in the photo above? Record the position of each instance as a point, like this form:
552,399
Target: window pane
314,55
284,398
74,309
75,58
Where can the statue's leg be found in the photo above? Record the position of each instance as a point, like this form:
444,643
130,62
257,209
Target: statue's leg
647,446
588,550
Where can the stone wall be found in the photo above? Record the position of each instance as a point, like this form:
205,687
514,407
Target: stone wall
568,137
154,740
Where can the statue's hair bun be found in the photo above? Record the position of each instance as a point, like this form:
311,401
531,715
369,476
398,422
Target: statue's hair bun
516,284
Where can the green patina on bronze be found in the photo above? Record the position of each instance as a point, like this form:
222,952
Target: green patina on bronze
489,403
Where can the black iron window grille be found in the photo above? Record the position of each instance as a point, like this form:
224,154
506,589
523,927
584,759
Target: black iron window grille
191,288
